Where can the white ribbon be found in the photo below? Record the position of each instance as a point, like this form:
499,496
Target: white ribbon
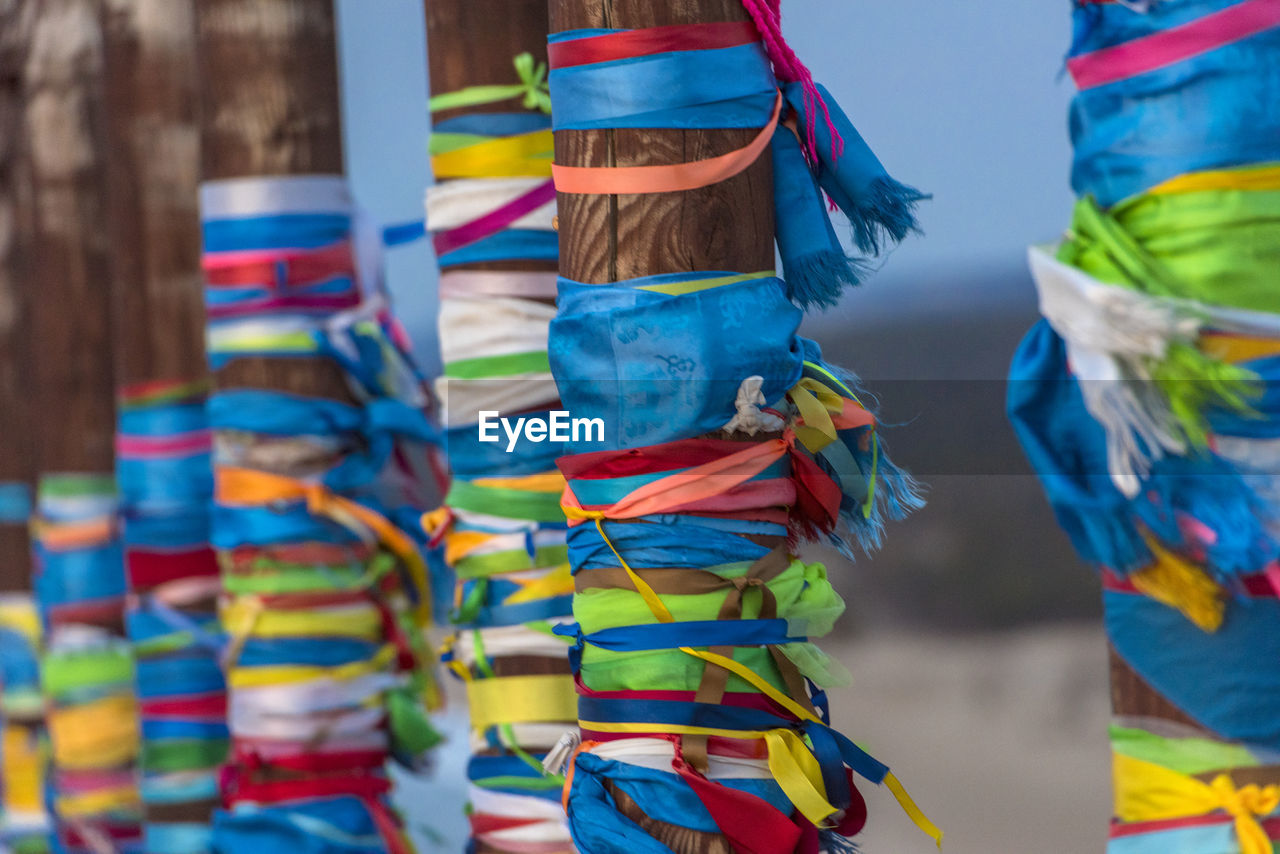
1112,335
456,203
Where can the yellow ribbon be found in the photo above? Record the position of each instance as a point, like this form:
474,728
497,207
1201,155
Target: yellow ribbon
549,698
1237,348
1145,791
1264,177
23,763
525,155
1181,585
99,801
815,402
99,734
245,616
281,674
557,582
550,483
22,618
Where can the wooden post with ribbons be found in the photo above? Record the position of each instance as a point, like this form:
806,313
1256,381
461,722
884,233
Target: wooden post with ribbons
269,105
312,411
163,445
609,238
86,665
1169,485
518,680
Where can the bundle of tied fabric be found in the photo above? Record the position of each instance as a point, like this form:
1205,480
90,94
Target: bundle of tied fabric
326,591
165,474
728,441
24,821
501,531
87,668
1146,400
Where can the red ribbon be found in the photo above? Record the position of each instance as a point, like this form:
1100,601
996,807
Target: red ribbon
355,774
150,569
628,43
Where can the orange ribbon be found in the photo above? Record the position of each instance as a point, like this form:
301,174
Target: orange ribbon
673,178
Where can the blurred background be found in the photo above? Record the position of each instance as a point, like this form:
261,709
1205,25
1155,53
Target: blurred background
979,665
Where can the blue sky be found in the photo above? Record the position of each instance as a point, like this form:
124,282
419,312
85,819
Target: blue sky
961,100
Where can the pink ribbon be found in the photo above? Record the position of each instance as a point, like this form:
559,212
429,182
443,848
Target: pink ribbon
1174,45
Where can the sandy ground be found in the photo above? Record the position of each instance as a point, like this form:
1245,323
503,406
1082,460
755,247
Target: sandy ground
999,737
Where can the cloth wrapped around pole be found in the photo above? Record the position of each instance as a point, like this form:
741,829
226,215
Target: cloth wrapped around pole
700,689
326,590
164,468
501,531
87,666
25,826
1145,400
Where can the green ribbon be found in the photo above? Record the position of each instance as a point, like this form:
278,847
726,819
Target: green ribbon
532,89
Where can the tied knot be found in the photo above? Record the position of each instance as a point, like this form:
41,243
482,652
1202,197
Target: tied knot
533,82
747,581
1246,805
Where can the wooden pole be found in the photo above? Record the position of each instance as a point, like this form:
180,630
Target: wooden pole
269,108
71,391
269,105
727,226
16,464
607,238
71,374
152,183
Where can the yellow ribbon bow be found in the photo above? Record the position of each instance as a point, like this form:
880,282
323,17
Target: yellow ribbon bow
1145,791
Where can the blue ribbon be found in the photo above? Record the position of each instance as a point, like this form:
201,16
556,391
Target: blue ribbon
670,541
1212,111
512,244
657,367
275,231
729,87
694,633
15,502
380,422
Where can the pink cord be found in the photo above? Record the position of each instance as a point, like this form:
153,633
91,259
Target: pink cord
787,67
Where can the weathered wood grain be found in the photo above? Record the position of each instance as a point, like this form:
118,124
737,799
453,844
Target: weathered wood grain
69,365
268,105
16,462
152,186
